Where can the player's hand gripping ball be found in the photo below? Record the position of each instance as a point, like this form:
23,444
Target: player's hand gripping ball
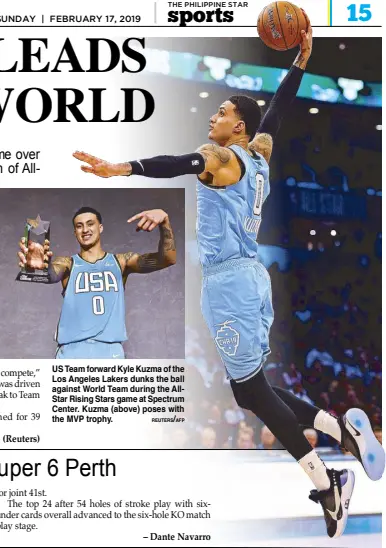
280,25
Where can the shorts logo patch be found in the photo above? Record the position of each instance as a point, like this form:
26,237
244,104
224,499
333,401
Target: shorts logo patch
227,338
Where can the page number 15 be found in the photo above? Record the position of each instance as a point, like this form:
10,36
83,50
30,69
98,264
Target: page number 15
364,12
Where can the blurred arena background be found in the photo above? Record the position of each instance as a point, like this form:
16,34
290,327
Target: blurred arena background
320,238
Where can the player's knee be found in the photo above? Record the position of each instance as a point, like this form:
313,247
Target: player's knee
253,393
242,395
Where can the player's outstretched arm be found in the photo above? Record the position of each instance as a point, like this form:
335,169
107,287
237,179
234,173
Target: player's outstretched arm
208,159
38,256
166,254
283,98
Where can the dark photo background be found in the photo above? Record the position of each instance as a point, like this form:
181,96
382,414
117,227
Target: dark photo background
155,303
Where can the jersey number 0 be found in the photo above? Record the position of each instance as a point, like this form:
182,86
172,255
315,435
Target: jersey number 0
98,305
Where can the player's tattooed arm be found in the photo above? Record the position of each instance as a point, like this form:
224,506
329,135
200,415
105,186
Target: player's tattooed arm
263,144
214,156
219,160
166,254
206,163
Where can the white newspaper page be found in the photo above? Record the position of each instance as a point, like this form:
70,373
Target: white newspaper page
190,273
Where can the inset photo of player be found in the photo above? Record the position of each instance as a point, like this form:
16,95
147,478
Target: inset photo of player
90,245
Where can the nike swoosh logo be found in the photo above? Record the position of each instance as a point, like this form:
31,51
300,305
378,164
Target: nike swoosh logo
334,514
116,355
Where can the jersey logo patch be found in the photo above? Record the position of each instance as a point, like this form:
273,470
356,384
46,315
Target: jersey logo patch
251,225
227,338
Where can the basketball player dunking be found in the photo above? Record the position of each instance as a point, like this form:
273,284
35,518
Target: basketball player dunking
233,183
92,321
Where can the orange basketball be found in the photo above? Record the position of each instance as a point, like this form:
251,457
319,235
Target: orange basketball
280,24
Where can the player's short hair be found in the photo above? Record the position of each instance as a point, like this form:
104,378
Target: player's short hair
86,209
249,111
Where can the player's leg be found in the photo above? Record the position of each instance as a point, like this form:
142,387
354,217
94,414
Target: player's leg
352,430
237,307
310,416
236,304
257,395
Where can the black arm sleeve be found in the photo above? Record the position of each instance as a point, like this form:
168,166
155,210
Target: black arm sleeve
281,101
167,167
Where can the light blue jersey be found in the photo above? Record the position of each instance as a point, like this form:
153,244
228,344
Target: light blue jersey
228,219
94,305
236,298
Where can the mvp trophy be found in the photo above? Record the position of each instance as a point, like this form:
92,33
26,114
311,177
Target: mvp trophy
35,233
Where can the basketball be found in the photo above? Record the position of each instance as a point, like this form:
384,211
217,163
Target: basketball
280,24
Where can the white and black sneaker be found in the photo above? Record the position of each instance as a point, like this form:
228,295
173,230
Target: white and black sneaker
358,438
335,500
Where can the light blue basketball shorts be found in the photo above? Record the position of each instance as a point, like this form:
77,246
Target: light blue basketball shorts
90,349
236,302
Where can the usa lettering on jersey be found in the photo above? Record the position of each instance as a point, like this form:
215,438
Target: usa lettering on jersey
96,282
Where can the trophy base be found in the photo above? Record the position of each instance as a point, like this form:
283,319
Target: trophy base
35,277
